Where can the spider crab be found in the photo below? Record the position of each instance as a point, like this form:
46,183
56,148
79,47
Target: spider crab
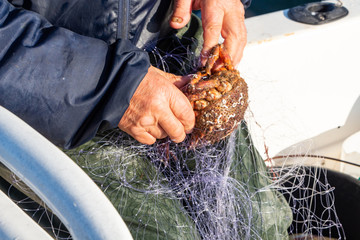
219,98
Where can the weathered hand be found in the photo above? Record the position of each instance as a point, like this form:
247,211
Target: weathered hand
218,17
158,109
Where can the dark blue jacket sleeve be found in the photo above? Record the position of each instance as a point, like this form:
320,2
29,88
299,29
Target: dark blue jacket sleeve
64,85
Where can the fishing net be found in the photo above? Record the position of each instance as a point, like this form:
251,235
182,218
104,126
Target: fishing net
221,191
167,191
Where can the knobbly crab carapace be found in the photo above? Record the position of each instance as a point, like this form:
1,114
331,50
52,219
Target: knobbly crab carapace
219,98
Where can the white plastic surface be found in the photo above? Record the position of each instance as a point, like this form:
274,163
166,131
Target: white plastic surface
59,182
304,82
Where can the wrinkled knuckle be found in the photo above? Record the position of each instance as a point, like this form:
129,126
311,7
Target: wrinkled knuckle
157,107
237,38
135,131
213,28
179,6
147,121
187,114
234,35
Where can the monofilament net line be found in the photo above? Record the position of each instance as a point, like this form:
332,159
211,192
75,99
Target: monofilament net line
221,191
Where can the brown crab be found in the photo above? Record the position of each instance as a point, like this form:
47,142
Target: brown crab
219,98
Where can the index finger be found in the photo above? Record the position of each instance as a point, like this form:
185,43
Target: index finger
212,20
234,31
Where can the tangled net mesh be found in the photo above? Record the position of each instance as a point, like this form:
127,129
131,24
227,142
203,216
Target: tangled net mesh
222,191
166,191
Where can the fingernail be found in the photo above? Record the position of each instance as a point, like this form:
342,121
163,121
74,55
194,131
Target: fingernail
177,19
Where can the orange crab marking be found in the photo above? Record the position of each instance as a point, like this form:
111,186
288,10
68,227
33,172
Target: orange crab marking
219,98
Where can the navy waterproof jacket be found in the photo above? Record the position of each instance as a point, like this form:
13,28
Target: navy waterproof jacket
70,67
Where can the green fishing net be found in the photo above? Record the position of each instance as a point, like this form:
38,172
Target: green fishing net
166,191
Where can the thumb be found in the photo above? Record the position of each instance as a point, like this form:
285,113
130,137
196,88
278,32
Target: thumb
178,81
181,14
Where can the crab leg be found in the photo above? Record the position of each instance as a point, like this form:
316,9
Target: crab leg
214,55
217,52
224,56
206,85
196,78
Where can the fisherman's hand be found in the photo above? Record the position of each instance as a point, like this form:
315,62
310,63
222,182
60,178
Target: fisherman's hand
225,17
158,109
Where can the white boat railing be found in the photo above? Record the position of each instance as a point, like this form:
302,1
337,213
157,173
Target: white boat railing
58,181
12,218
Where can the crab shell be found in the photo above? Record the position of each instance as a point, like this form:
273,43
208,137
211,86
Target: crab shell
221,116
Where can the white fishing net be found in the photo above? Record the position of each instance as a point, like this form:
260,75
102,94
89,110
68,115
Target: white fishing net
166,191
222,191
